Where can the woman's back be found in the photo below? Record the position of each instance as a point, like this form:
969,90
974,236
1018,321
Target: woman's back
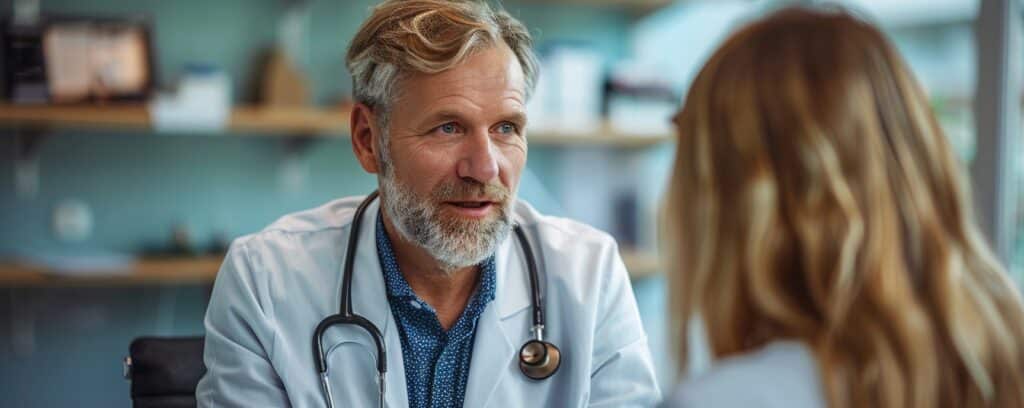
780,375
815,199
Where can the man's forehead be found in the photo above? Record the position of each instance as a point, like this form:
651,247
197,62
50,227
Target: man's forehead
487,73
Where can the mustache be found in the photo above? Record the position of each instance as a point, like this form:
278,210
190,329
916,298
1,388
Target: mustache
465,189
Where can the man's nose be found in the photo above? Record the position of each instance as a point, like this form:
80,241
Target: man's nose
479,158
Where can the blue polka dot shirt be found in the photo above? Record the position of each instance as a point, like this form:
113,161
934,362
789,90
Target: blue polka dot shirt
436,361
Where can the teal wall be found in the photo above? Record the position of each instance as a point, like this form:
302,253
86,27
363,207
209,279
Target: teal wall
62,346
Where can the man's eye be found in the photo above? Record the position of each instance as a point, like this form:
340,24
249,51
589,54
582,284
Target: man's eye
448,128
507,128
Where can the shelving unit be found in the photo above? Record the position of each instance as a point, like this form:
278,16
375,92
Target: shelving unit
185,271
274,122
279,122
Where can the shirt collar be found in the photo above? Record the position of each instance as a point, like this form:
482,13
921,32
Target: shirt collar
398,287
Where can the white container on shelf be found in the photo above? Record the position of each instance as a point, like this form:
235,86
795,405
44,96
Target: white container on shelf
568,96
633,116
640,99
202,102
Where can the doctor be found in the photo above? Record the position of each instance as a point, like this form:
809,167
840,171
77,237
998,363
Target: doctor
441,283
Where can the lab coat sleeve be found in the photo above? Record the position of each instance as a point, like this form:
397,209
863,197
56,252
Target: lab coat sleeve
623,371
239,338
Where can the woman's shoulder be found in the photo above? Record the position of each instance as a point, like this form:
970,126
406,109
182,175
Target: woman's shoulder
780,374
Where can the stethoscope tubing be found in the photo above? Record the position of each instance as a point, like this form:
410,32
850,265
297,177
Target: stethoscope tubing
346,315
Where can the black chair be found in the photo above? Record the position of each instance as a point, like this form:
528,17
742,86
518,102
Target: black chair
164,371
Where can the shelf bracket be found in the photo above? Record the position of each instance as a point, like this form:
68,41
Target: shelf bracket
22,323
293,174
297,145
26,161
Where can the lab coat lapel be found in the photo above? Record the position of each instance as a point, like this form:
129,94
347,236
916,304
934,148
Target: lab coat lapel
369,299
494,354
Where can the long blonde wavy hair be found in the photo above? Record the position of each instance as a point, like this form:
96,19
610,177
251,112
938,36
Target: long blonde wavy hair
815,198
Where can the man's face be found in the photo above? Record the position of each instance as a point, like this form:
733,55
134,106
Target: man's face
457,147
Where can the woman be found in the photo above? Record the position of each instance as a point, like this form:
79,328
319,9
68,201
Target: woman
823,231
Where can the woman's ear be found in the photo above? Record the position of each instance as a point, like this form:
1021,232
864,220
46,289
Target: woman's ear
365,135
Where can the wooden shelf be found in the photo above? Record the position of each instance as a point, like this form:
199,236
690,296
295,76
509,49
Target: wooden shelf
290,121
283,122
190,271
200,270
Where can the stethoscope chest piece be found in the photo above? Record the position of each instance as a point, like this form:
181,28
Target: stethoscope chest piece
539,359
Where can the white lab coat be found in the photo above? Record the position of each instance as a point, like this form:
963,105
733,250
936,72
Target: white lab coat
276,285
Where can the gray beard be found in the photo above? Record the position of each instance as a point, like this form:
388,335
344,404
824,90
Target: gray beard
454,243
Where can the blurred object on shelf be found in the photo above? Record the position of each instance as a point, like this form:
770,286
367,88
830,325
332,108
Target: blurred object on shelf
568,95
639,100
26,13
183,244
202,101
281,83
105,60
76,59
24,70
219,245
72,221
626,219
181,241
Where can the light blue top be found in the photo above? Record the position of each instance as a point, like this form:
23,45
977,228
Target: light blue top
782,374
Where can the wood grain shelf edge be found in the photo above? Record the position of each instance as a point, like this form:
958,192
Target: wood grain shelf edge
198,270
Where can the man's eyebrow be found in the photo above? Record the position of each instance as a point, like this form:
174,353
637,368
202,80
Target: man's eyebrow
443,115
516,117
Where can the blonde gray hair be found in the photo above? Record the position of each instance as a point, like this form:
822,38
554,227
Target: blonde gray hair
428,36
815,197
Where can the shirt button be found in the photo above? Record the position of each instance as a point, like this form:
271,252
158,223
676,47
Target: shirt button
415,304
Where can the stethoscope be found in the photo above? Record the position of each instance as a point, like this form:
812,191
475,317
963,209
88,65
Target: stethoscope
538,359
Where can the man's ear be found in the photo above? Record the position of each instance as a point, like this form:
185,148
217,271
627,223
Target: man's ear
364,130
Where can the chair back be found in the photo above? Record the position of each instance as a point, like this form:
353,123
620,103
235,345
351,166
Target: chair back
164,371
